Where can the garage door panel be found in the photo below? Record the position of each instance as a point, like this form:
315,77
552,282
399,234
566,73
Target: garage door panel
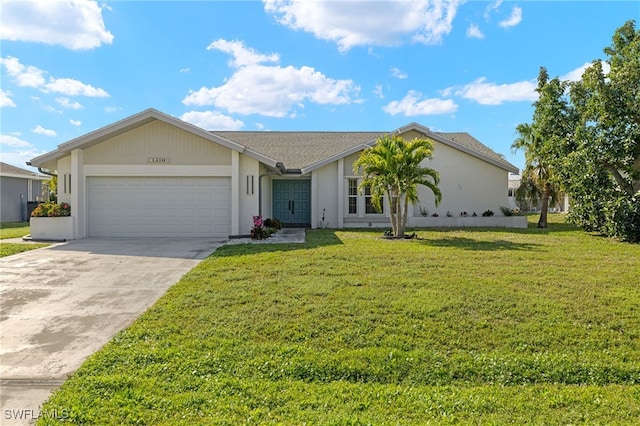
159,207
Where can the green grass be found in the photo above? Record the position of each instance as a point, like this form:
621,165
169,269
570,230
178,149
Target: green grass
15,230
458,327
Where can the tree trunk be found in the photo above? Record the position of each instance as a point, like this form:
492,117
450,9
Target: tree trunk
544,209
394,224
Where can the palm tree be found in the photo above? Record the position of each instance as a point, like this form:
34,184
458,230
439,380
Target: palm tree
393,166
537,175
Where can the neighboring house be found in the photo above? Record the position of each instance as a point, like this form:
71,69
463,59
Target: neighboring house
527,205
17,188
154,175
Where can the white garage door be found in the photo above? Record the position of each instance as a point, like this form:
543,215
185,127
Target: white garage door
159,206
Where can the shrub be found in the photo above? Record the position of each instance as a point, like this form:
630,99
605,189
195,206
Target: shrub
273,223
487,213
506,211
52,210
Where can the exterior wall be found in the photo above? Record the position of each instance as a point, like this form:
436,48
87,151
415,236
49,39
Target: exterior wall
468,184
249,177
325,196
14,197
64,170
158,140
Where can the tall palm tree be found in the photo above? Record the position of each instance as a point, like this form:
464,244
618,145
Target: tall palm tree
393,166
537,175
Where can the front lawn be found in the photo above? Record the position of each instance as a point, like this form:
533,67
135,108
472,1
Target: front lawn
15,230
459,326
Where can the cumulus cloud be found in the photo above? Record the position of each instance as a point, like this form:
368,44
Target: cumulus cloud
74,24
576,74
413,104
17,151
270,90
487,93
66,103
30,76
513,20
211,120
5,100
366,23
39,130
395,72
474,32
378,91
76,122
13,141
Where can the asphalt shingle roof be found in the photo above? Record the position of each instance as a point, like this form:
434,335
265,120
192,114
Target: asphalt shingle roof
298,150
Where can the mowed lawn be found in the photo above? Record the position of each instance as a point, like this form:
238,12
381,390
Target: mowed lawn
15,230
456,327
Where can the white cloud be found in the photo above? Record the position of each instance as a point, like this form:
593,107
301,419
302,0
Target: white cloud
491,7
378,91
66,103
30,76
211,120
270,90
73,87
5,100
395,72
42,131
112,109
495,94
576,74
24,76
242,55
514,19
474,32
74,24
362,23
76,122
13,141
412,105
185,70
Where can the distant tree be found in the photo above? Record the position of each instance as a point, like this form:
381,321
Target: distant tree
393,167
538,141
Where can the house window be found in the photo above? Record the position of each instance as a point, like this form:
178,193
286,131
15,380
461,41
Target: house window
510,192
368,206
353,196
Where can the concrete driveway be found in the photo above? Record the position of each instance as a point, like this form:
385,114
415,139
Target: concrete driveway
62,303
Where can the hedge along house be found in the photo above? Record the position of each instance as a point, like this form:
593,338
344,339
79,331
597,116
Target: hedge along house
153,175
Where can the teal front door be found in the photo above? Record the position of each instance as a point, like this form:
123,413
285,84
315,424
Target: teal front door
292,202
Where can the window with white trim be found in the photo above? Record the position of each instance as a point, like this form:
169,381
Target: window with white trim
369,208
353,196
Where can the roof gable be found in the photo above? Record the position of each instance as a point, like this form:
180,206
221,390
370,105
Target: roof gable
125,125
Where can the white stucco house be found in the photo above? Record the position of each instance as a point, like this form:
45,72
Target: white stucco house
153,175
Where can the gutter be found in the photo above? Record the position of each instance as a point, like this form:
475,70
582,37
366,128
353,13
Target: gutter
43,171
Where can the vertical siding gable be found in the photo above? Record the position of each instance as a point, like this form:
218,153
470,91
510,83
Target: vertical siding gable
158,139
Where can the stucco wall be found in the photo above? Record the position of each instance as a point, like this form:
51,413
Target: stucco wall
249,176
158,140
326,196
64,168
467,184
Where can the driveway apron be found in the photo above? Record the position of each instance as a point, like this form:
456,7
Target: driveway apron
62,303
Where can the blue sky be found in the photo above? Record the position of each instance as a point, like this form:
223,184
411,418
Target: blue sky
71,67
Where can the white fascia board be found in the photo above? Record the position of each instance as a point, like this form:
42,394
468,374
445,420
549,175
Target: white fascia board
260,157
33,177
